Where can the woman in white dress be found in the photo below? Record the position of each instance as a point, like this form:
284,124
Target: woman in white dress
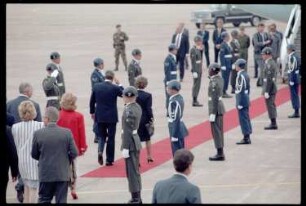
23,137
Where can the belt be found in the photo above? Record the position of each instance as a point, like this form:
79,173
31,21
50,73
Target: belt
236,54
198,62
297,71
60,84
171,120
52,98
173,72
246,91
228,56
135,131
209,98
265,80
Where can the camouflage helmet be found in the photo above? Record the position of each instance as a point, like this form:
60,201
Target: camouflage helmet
215,67
54,55
97,61
291,47
130,91
241,63
267,51
197,38
224,35
175,85
234,33
136,52
51,67
172,47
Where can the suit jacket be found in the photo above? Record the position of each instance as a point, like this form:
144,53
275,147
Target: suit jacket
242,89
269,77
215,91
96,77
226,55
217,38
184,46
74,121
170,69
12,108
54,148
258,42
176,189
103,102
294,66
205,36
10,119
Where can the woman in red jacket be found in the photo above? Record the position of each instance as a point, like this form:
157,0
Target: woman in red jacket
73,120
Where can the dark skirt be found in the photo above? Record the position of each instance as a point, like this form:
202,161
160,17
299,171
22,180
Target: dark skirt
143,132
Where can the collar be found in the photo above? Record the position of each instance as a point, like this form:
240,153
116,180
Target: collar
137,61
214,76
181,174
107,80
23,95
174,96
51,124
268,60
291,53
172,55
140,89
242,70
129,104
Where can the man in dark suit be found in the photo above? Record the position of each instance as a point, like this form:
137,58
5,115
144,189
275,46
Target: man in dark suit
205,35
103,109
217,37
54,148
10,119
181,40
177,189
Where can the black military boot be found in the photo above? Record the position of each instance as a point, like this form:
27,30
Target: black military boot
219,156
295,114
136,199
259,82
233,90
195,103
96,139
272,126
225,95
245,140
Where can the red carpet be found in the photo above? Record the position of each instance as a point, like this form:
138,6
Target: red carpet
197,135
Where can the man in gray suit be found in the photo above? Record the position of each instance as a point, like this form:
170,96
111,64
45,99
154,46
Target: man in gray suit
131,144
177,189
54,148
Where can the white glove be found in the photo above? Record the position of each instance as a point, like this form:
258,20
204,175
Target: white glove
54,73
212,118
223,68
195,75
267,95
291,83
125,153
239,107
174,139
233,66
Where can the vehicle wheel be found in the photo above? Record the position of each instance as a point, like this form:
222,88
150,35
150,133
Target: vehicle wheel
255,20
236,24
198,25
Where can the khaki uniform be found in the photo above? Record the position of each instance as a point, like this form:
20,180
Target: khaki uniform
235,52
134,70
216,106
130,140
119,46
52,92
196,66
244,42
60,80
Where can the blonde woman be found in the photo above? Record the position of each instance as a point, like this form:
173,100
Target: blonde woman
73,120
23,137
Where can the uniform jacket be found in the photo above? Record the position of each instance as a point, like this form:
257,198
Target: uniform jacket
74,121
294,65
96,77
184,46
176,189
215,92
217,38
258,42
226,55
130,122
119,39
196,60
60,79
170,69
205,37
54,148
103,102
12,107
50,87
134,70
177,127
269,77
235,47
244,42
242,89
275,45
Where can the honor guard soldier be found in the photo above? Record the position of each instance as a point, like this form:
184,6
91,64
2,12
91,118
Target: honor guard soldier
294,65
134,69
119,38
243,101
51,88
97,76
170,68
56,60
235,46
269,88
226,62
196,69
216,110
131,144
177,127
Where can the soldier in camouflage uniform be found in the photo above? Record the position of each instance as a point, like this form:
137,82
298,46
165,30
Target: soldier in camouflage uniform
134,69
131,144
196,69
244,41
119,38
56,60
235,52
51,87
216,110
269,88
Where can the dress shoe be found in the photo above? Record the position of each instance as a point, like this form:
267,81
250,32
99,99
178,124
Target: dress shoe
109,164
197,104
150,159
100,158
226,95
74,195
233,91
294,115
20,196
271,127
244,141
217,157
96,139
135,201
255,76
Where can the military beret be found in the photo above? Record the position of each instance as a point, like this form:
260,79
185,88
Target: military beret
51,67
172,47
224,34
291,47
54,55
214,67
97,61
240,63
267,50
136,52
234,33
197,38
130,91
118,25
174,84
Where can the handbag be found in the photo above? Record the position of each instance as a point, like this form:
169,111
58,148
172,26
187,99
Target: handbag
150,128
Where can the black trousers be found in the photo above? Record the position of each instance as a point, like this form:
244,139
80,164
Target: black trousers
107,133
181,63
3,187
207,57
216,54
49,189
